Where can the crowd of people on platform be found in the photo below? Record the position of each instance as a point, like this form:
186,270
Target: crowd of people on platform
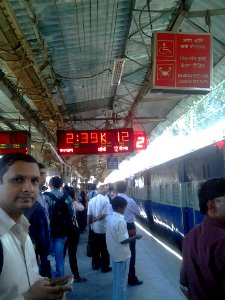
36,224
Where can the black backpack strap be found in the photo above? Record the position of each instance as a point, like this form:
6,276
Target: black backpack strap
29,212
53,197
50,195
64,197
1,257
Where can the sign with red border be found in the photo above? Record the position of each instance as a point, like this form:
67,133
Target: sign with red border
14,141
182,62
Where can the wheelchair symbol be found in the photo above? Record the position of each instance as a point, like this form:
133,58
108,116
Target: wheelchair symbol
164,50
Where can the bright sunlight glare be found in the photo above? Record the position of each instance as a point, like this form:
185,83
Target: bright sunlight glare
159,242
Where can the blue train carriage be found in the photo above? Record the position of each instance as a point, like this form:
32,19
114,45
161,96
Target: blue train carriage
167,193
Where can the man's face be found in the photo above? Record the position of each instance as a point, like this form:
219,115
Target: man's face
19,188
42,179
220,207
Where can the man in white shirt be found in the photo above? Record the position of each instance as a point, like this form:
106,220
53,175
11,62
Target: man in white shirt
98,209
117,240
132,210
19,187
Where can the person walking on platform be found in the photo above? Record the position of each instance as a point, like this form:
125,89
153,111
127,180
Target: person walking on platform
19,276
61,215
117,240
98,210
202,275
129,216
73,237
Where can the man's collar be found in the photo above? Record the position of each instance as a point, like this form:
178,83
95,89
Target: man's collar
6,222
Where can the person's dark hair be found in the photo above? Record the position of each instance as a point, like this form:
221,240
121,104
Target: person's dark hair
7,160
69,190
56,182
209,190
121,186
118,202
93,187
41,166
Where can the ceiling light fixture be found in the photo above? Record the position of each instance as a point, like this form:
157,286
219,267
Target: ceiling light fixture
117,70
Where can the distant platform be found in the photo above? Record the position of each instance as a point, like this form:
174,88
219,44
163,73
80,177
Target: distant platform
155,266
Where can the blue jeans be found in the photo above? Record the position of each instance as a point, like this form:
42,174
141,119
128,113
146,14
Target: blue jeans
58,248
120,274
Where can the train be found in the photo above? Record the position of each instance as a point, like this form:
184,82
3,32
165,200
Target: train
168,193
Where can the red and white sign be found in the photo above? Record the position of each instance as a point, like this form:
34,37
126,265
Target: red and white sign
181,62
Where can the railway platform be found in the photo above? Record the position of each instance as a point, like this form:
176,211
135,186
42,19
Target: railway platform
155,266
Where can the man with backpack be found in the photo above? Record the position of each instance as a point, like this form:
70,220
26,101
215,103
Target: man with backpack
61,215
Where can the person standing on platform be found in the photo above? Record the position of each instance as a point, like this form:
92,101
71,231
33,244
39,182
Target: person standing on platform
82,215
117,240
92,192
37,215
59,228
73,237
129,216
42,181
202,275
98,210
19,188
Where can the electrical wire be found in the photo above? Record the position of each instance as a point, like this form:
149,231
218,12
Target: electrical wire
85,77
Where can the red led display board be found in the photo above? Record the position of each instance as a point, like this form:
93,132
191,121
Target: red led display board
14,141
100,141
182,62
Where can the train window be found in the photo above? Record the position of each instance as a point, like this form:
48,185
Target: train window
176,193
206,171
139,182
168,194
161,194
189,194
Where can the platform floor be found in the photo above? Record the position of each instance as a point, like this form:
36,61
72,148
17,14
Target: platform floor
158,268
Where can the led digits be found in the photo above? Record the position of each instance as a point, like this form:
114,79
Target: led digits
120,140
84,138
69,138
140,140
94,137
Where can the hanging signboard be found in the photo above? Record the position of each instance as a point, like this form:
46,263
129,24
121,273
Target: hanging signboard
112,163
181,62
14,141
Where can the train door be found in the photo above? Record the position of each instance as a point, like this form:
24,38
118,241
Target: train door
188,206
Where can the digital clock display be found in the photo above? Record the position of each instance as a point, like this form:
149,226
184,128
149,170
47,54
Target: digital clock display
14,141
100,141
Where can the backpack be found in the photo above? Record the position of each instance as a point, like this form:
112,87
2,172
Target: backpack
60,217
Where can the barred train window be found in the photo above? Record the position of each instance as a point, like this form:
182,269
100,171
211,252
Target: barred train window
189,194
161,194
167,194
176,193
